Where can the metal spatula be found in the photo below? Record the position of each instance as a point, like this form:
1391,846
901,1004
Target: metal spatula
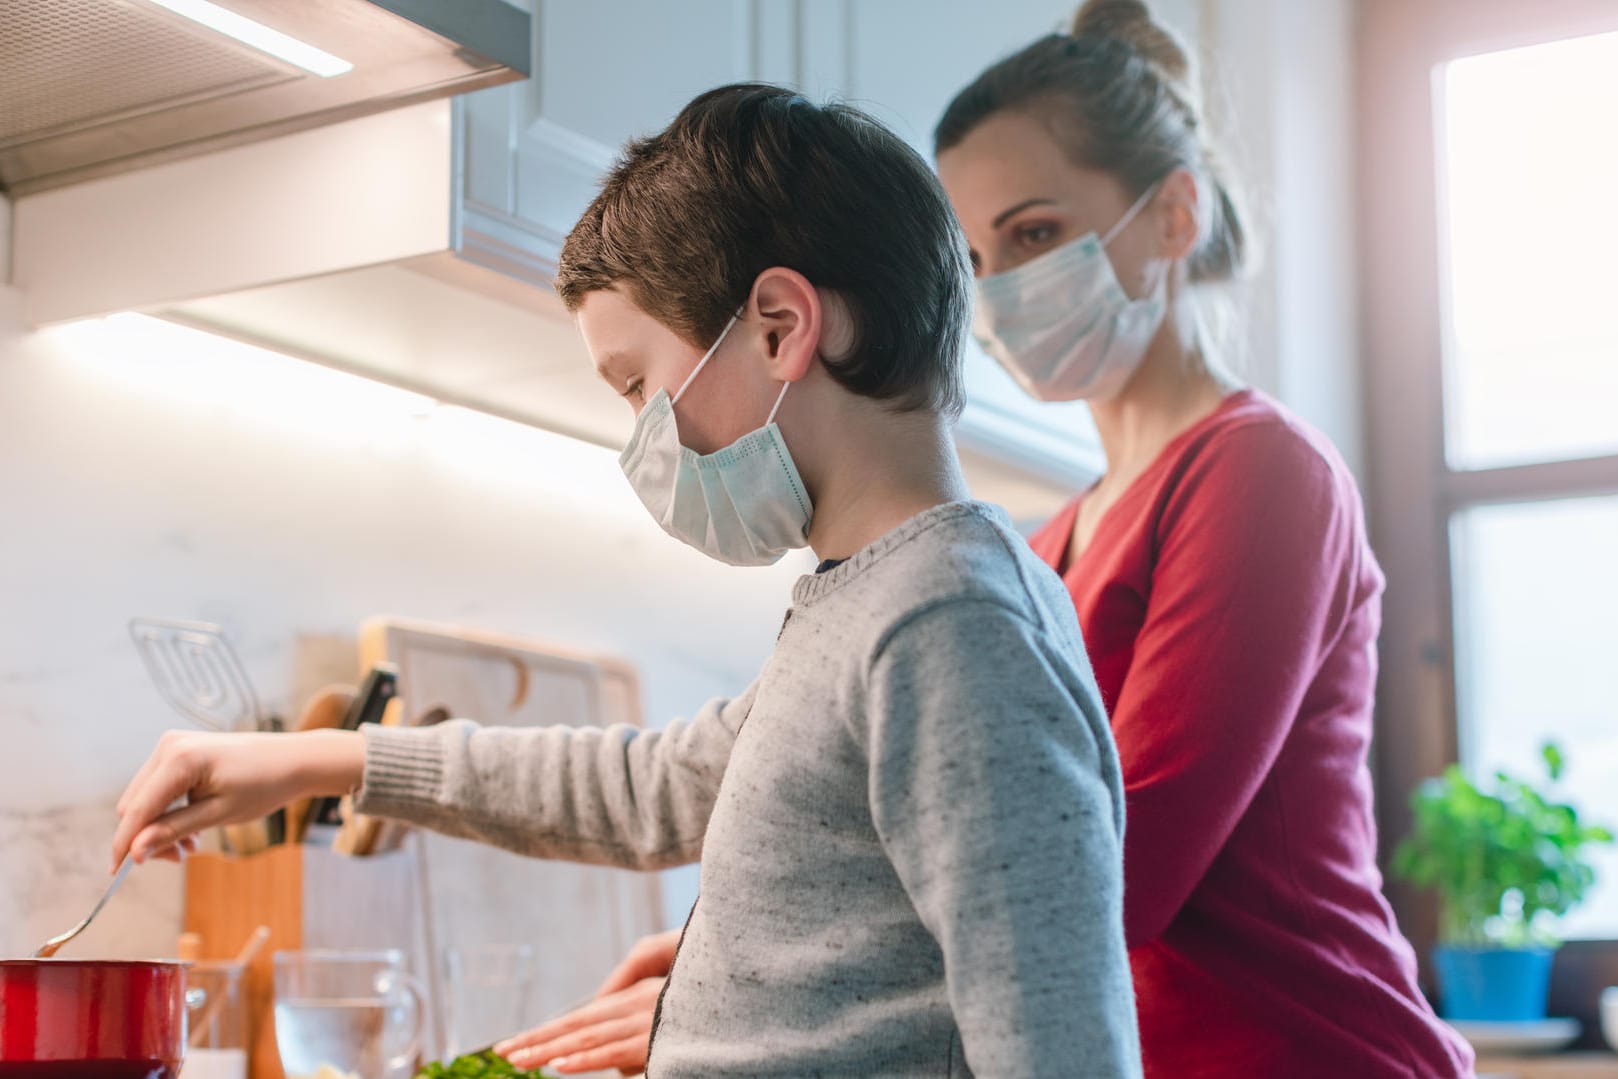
198,672
200,675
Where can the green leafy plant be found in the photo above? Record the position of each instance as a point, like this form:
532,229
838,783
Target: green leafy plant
484,1065
1506,861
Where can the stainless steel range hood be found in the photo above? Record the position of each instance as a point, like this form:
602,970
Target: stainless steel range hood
92,87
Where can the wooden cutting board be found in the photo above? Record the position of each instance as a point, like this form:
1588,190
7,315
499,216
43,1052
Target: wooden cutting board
580,920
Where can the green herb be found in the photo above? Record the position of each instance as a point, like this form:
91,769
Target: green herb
484,1065
1506,861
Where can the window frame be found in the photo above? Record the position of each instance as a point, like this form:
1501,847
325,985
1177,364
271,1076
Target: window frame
1411,490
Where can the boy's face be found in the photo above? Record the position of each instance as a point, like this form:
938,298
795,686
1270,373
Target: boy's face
637,356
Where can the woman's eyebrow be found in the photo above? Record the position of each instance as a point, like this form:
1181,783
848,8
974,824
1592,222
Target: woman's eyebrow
1021,206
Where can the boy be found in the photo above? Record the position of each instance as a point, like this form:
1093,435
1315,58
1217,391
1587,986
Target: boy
909,824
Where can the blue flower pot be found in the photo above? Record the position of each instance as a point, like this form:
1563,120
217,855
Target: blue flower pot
1504,985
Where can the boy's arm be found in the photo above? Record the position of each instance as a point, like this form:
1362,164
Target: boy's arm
988,757
611,796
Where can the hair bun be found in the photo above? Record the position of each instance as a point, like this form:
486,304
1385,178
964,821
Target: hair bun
1131,22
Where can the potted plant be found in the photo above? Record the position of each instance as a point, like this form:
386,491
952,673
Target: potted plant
1507,862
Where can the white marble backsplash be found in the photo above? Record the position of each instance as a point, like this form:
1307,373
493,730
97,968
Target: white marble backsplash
53,871
214,487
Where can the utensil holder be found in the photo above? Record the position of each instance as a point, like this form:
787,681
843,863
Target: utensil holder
310,897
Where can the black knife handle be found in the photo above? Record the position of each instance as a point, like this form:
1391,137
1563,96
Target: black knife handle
381,685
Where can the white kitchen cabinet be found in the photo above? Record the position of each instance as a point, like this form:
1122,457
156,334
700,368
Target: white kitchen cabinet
418,246
532,153
532,157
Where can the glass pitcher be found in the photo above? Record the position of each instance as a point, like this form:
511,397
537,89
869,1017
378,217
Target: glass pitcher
346,1015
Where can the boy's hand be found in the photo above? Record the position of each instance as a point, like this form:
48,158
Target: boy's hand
228,779
612,1031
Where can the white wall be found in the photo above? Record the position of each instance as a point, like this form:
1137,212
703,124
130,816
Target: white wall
141,473
1280,93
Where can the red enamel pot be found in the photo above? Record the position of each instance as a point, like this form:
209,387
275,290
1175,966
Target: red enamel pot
91,1019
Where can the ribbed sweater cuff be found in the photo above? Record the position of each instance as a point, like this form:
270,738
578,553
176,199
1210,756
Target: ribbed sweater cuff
402,767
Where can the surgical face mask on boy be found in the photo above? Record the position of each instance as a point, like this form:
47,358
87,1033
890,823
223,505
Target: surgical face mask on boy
1062,326
744,505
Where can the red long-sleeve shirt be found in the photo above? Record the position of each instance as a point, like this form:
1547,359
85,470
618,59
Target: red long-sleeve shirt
1230,604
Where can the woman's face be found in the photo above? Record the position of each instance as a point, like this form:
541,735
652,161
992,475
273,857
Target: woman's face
1018,196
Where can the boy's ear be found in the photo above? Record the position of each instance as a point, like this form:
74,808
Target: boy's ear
790,317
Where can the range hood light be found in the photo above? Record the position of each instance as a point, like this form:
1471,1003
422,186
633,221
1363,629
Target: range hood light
261,37
224,77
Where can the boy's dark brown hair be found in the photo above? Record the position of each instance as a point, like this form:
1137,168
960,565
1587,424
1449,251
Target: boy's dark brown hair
751,176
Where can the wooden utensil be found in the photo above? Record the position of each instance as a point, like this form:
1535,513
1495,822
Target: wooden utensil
323,711
358,833
244,959
370,704
363,836
248,838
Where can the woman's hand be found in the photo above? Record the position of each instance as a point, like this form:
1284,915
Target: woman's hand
612,1031
228,779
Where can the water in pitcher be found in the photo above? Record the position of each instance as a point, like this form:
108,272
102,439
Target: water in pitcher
345,1036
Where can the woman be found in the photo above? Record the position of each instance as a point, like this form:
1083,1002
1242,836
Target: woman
1220,571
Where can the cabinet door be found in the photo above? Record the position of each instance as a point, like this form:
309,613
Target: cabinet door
532,154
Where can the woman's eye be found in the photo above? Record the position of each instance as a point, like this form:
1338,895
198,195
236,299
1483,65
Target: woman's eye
1036,235
633,391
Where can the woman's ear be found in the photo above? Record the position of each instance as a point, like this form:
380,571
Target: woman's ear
1179,218
789,313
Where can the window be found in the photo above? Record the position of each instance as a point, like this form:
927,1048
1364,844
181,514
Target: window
1490,283
1536,649
1527,173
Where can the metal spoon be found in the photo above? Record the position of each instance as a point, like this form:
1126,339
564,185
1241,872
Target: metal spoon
54,945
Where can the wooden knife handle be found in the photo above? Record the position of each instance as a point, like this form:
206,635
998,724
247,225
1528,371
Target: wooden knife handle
323,711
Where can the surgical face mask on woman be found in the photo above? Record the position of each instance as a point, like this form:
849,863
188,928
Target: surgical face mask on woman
1062,325
744,505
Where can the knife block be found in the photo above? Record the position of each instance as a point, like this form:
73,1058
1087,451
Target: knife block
310,897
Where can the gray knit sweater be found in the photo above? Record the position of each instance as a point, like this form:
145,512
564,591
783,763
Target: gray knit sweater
909,826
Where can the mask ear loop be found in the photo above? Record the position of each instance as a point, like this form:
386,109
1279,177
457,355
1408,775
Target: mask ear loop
1130,214
706,356
785,386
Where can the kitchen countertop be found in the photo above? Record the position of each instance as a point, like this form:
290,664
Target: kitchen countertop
1554,1066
